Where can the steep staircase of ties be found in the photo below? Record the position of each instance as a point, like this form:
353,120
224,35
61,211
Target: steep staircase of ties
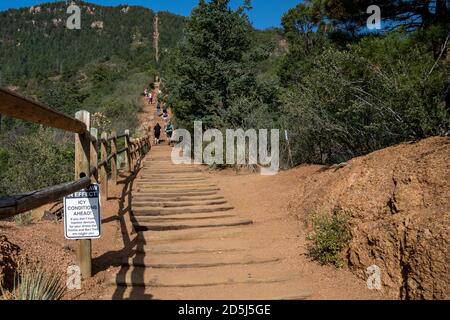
191,244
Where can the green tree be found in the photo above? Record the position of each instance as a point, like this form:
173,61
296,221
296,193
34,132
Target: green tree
351,15
212,67
374,94
306,40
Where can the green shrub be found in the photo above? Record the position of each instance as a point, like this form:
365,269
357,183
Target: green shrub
331,235
37,161
24,219
33,283
370,96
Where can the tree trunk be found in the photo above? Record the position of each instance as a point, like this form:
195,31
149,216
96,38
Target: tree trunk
442,17
425,14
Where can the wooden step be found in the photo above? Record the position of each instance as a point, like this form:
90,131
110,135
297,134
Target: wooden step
170,180
189,234
175,198
167,183
170,171
190,174
216,245
290,290
198,260
183,217
174,179
176,204
155,211
165,177
191,224
158,193
168,163
180,175
174,186
179,191
173,168
202,277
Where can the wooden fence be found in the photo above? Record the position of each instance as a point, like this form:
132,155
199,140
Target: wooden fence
91,159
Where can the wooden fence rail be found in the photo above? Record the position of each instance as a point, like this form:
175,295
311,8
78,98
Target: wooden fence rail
88,167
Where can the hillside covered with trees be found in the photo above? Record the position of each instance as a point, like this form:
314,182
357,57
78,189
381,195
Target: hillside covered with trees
102,68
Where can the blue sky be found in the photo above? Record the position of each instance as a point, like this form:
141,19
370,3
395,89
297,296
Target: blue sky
265,13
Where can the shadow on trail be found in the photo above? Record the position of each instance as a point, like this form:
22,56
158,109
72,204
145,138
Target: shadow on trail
130,246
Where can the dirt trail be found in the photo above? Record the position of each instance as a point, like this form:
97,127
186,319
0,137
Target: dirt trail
148,117
265,200
202,235
190,242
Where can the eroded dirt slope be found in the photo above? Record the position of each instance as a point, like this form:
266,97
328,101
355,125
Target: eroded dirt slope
399,201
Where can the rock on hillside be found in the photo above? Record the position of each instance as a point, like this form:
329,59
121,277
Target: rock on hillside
399,201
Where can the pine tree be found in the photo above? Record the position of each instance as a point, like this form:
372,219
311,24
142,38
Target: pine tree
212,67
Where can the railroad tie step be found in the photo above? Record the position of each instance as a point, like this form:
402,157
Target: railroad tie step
178,191
158,180
239,291
176,236
175,186
197,260
160,211
177,204
183,217
175,198
176,194
201,277
190,224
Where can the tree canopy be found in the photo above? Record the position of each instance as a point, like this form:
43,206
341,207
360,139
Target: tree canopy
213,64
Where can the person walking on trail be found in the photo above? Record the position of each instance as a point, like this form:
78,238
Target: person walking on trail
150,97
157,132
169,131
165,115
158,107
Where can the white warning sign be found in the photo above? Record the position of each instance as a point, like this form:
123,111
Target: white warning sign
82,218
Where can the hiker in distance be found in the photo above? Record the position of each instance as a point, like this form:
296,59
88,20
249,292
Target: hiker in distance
169,131
165,115
157,132
150,97
158,107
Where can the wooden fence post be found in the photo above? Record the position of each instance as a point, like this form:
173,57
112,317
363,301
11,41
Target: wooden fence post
82,169
104,168
136,149
145,145
114,158
146,149
128,158
94,154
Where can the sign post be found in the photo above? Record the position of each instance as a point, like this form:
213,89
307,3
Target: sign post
286,137
82,169
82,219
